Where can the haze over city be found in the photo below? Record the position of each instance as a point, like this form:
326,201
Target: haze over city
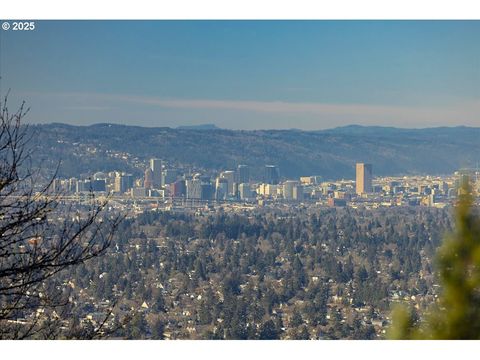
247,74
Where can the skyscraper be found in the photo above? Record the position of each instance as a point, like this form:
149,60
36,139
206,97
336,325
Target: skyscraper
194,188
272,174
364,178
221,188
207,191
230,176
123,183
298,193
243,174
244,191
179,188
156,166
169,176
288,187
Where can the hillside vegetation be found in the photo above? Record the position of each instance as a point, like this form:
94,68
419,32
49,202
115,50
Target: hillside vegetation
329,153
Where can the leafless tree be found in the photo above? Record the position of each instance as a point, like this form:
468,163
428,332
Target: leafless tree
40,234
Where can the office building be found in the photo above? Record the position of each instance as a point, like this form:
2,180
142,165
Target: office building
244,191
194,188
138,192
271,175
288,187
179,188
243,174
332,202
268,190
207,191
230,177
156,167
307,180
72,185
118,184
169,176
123,183
57,186
221,188
98,185
80,186
363,178
298,193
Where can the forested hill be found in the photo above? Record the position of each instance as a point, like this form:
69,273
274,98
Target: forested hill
329,153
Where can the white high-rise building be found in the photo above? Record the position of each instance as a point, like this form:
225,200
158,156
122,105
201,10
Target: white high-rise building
221,188
230,177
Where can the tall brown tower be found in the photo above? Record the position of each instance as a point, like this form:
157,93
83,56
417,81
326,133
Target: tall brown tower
364,178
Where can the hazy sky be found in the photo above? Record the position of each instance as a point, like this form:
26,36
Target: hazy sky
247,75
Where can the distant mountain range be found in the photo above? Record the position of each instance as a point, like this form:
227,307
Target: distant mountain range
199,127
330,153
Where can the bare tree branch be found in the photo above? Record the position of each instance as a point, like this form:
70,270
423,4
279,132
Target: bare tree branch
40,235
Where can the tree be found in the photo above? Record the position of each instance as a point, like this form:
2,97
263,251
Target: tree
138,327
457,315
304,334
268,331
159,303
158,329
296,318
40,234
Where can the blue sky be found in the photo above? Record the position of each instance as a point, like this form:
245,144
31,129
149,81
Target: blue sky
247,74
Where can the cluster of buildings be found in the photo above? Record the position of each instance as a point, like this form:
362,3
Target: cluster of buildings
432,191
163,182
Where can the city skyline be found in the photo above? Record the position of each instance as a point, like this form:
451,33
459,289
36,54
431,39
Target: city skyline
187,189
247,74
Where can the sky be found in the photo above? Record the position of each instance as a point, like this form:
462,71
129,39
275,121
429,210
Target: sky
246,74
